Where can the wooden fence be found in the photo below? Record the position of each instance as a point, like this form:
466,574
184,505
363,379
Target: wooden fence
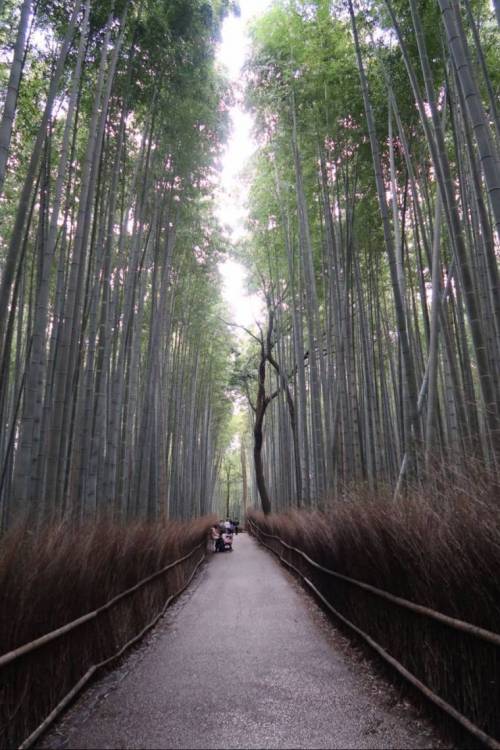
62,662
351,600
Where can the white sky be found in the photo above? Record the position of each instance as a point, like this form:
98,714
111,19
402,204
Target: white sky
233,192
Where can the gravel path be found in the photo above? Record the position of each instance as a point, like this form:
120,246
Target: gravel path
244,659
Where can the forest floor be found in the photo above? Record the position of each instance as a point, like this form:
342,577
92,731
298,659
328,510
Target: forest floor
244,659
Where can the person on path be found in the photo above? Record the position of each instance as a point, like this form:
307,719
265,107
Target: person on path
214,535
219,543
227,539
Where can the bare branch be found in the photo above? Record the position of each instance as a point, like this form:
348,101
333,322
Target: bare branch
238,325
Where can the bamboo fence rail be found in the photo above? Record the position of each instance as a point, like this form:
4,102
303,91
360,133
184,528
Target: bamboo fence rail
459,625
27,648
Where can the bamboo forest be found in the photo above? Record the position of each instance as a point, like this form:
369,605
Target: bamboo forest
249,270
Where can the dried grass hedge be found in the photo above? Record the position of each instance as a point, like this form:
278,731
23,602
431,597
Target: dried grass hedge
439,548
58,575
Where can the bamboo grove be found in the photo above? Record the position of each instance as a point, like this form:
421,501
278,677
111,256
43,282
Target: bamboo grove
373,236
112,355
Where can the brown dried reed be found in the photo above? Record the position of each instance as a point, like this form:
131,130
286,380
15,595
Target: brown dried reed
438,546
59,574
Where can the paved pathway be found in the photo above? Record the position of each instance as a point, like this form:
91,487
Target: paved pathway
245,659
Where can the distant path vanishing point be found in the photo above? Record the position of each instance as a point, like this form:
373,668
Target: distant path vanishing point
244,659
